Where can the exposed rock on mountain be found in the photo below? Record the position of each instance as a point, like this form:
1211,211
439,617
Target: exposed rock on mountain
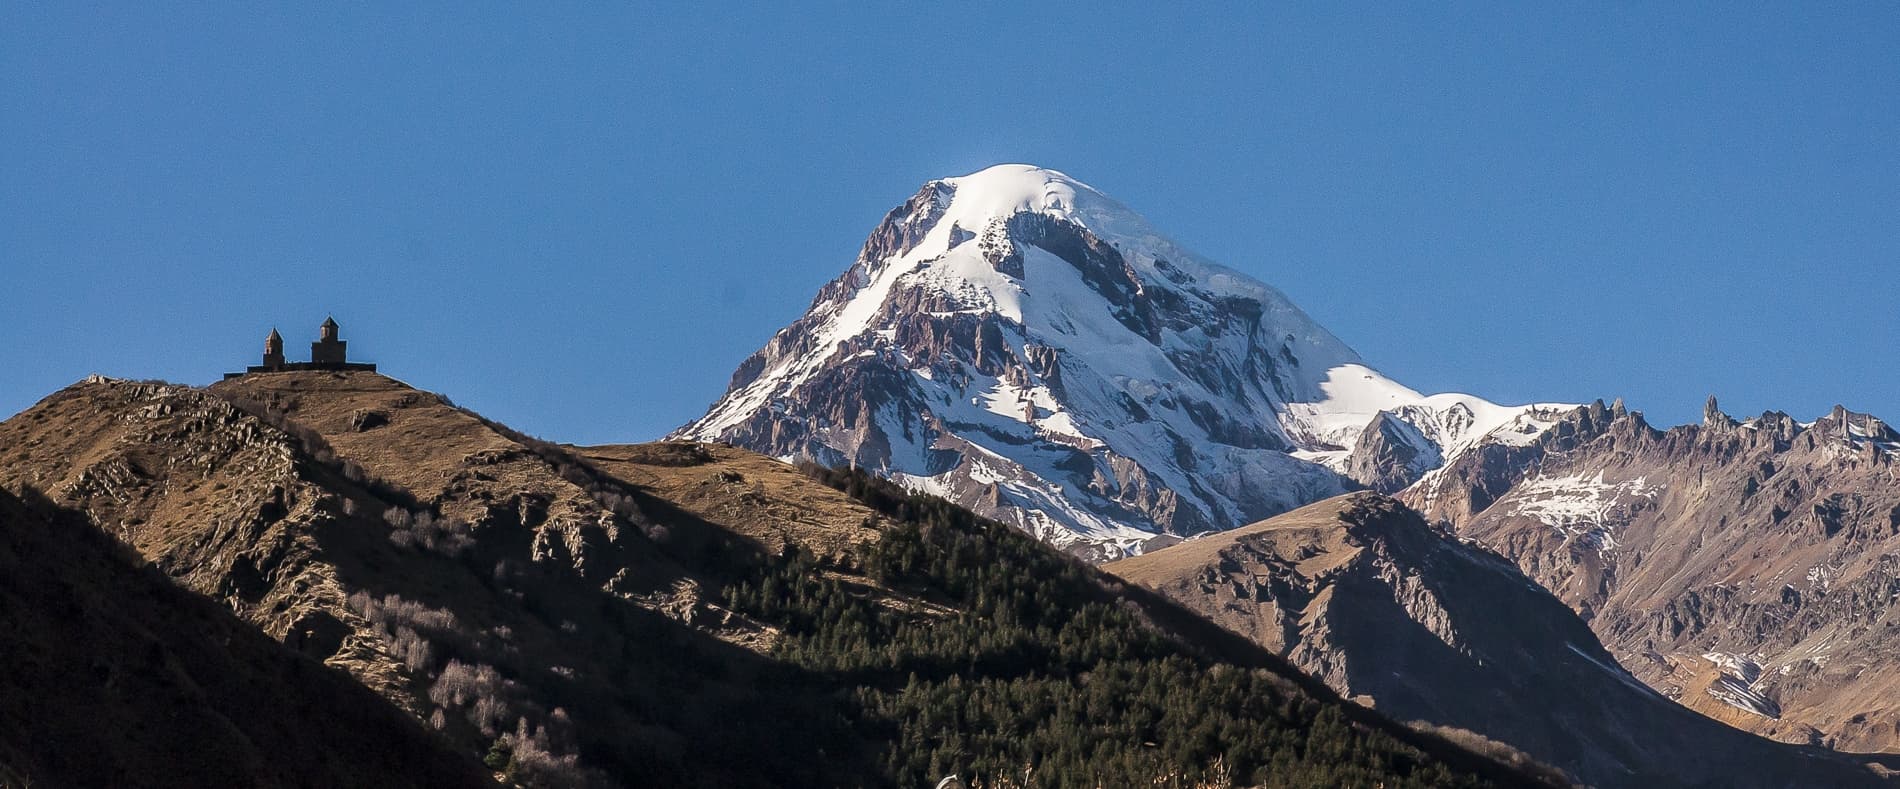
1749,569
1391,454
1362,593
674,614
1474,480
1020,343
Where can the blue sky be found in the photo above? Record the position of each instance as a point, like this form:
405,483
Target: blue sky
580,221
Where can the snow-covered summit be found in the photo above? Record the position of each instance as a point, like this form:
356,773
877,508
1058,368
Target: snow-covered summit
1020,342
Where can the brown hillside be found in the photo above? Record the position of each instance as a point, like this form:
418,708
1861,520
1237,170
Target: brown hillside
742,492
701,500
455,588
420,441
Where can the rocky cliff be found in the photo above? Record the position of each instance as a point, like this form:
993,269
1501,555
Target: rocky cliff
1362,593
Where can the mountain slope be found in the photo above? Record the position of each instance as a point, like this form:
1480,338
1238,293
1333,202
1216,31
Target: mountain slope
114,677
1360,592
1028,347
1749,569
673,614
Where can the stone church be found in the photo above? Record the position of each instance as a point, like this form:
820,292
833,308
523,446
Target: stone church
327,353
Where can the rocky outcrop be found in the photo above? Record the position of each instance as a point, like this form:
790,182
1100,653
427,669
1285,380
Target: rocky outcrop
1362,593
1745,568
1472,481
1391,455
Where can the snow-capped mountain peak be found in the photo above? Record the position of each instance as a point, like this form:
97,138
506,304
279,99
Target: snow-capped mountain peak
1024,344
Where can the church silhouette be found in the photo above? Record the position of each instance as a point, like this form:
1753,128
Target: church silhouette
327,353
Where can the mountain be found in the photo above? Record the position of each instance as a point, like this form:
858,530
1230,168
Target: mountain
1022,344
1360,592
335,578
1749,569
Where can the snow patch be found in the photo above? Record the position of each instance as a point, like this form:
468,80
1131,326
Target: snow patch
1738,684
1354,394
1585,507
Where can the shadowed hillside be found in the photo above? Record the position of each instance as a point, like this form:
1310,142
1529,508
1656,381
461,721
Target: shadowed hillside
115,677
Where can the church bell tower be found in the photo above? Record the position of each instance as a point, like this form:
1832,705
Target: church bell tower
328,349
274,350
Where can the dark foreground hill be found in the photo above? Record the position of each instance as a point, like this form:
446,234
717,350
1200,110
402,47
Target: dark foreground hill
673,614
113,676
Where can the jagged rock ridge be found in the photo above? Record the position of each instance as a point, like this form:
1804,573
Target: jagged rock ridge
1748,568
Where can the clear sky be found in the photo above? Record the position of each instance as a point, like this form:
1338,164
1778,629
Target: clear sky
579,222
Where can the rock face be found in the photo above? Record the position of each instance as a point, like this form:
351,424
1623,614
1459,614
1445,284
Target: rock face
1474,480
1360,592
1391,455
1750,570
1022,344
